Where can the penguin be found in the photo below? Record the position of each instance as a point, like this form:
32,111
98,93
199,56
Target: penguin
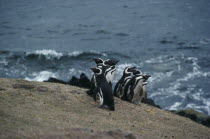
98,61
109,73
127,89
123,80
145,78
103,90
135,89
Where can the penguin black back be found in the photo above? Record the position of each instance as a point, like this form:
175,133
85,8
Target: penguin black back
104,87
109,66
118,87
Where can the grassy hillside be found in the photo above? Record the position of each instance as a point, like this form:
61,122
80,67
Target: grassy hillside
37,109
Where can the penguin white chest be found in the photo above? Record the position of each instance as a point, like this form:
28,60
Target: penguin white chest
110,75
100,97
138,85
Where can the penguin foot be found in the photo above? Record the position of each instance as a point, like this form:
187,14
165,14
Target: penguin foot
89,93
99,107
112,108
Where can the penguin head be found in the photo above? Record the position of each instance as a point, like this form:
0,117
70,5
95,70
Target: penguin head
137,72
98,60
111,62
146,77
103,67
129,70
97,70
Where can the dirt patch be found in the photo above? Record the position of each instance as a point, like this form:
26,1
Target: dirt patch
23,86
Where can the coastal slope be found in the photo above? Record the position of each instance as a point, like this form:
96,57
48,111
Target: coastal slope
47,110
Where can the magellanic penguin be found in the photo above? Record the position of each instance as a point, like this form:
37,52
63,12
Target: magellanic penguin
98,61
145,78
103,90
109,72
135,89
118,90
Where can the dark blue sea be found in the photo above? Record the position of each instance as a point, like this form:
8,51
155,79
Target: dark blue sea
168,39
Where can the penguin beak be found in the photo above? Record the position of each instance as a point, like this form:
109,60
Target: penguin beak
95,59
115,61
98,60
146,76
132,69
95,70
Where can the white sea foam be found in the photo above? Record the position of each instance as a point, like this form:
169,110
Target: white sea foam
4,61
196,71
157,77
41,76
174,89
99,53
78,53
75,53
73,71
175,106
160,59
49,54
152,61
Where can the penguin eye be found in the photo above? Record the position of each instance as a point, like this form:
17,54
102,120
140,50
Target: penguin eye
99,71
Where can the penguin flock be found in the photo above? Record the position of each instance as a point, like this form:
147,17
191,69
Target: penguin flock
131,86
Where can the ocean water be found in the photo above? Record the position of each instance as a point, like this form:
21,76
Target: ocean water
169,40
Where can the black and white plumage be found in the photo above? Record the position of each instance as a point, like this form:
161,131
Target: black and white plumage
103,90
135,89
119,87
109,72
145,78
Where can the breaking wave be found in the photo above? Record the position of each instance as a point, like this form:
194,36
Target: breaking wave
41,76
52,54
182,91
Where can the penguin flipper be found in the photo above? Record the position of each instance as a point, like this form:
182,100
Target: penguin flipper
95,91
115,89
131,93
92,87
110,84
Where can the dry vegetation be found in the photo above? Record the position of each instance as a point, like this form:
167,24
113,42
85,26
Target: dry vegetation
46,110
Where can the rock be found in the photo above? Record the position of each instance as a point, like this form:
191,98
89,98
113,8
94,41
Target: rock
83,81
195,116
150,102
54,80
74,81
206,122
